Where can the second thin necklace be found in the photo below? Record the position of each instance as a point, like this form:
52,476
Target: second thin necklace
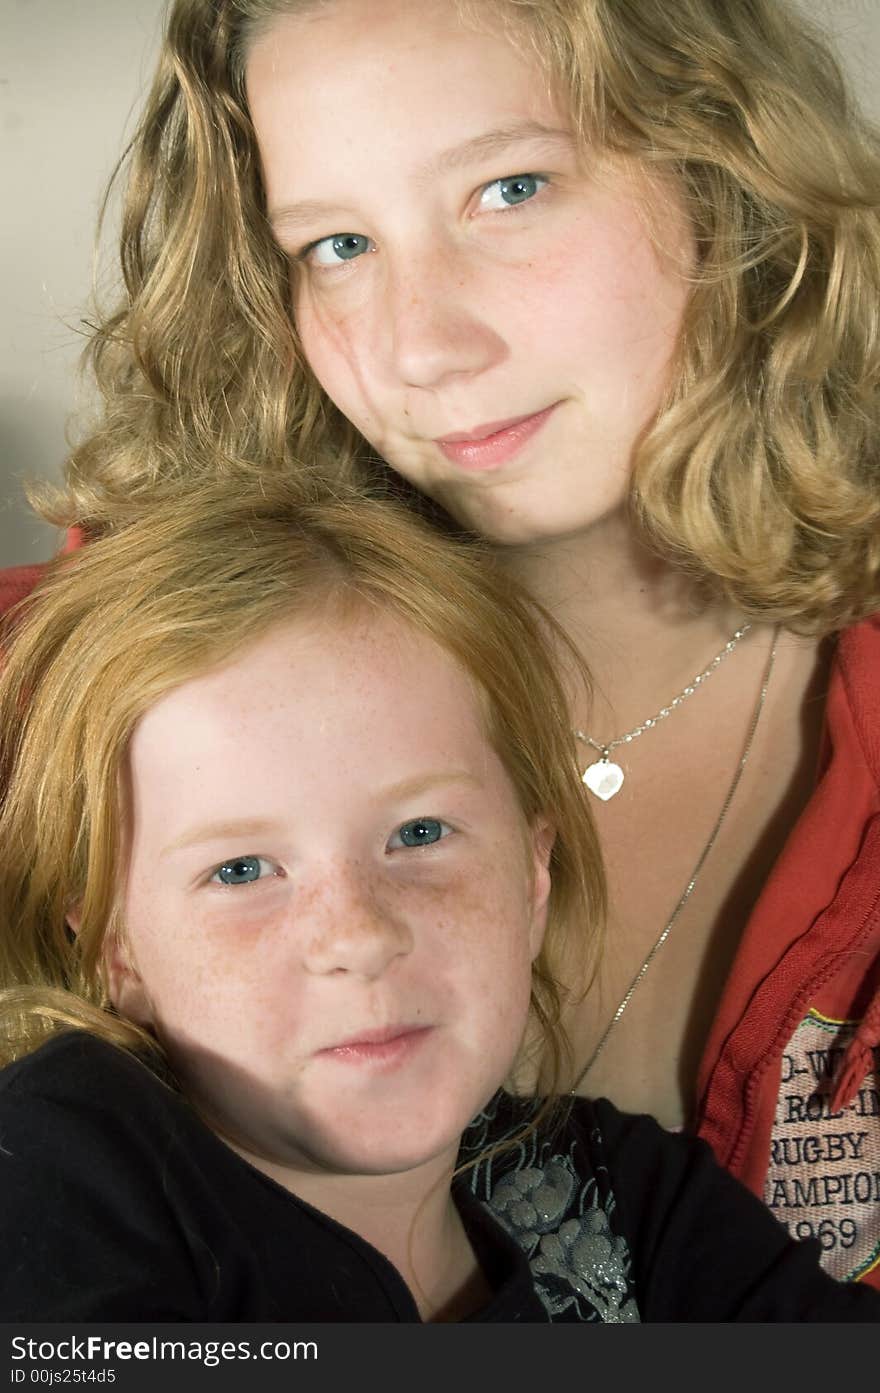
695,873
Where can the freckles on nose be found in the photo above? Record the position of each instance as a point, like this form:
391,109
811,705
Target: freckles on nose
313,906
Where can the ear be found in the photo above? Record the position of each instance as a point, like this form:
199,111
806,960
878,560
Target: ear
541,837
125,986
124,983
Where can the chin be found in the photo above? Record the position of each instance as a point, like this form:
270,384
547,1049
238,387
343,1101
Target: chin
384,1150
383,1141
513,528
517,519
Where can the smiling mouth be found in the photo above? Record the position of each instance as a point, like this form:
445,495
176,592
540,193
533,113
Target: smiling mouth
493,444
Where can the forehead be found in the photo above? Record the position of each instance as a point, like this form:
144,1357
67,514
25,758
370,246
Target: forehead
383,33
335,679
414,76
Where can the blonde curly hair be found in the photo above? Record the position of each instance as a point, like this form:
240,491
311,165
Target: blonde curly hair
760,472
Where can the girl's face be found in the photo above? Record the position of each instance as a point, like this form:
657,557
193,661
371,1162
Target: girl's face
333,899
485,305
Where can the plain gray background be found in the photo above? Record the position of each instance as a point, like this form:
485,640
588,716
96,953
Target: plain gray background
72,73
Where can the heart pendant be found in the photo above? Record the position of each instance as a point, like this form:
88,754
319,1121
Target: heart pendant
603,778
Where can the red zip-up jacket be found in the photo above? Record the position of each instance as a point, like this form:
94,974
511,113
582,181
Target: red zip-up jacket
789,1086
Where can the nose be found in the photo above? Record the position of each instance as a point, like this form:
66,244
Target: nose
437,325
348,926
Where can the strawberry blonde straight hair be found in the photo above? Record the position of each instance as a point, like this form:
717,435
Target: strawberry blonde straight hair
761,472
169,596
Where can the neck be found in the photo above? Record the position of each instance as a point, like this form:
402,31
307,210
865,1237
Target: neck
411,1218
645,627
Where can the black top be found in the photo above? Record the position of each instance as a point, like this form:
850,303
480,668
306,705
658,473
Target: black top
118,1203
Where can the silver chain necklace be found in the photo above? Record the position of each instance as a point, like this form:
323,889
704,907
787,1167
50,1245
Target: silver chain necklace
701,861
603,777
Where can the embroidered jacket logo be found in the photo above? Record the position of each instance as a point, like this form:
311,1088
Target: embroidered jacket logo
824,1175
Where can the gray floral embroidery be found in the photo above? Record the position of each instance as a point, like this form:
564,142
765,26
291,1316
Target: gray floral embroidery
530,1202
580,1267
593,1261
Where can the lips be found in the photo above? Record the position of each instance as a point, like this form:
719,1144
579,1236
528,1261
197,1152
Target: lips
376,1037
484,431
492,444
388,1046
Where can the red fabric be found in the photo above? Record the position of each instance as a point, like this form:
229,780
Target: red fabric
810,960
15,583
18,581
859,1056
75,539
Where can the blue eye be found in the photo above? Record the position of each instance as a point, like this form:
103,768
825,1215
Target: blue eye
330,251
519,188
421,831
243,870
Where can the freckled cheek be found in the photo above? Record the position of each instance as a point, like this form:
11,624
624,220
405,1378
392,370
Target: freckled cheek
341,351
200,971
229,1011
480,952
591,289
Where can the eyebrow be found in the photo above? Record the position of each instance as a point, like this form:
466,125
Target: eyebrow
219,831
290,216
426,783
231,829
497,142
